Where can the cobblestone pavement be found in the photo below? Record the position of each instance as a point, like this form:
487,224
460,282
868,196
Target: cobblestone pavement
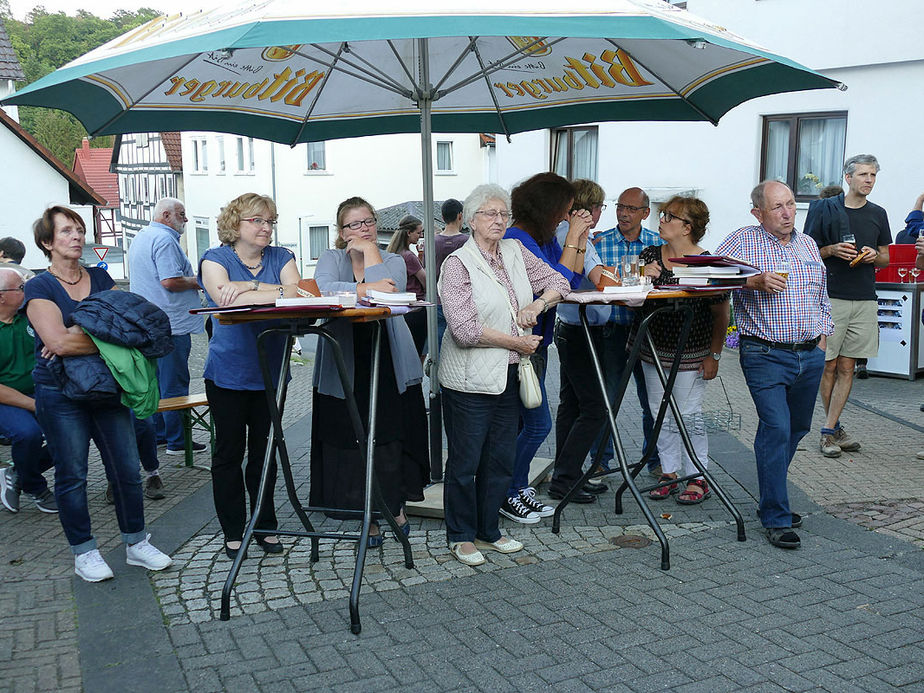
573,610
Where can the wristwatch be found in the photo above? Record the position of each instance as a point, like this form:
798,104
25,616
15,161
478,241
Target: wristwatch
716,355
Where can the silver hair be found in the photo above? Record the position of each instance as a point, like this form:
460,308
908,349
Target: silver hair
758,194
477,197
851,164
166,204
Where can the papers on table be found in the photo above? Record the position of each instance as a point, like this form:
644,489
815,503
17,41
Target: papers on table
338,301
713,271
385,299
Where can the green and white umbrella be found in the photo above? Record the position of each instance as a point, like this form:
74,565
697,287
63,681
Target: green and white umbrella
293,71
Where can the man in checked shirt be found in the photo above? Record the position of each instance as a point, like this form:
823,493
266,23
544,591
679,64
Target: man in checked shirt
783,316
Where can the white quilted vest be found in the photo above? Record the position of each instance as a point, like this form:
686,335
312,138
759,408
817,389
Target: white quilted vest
484,369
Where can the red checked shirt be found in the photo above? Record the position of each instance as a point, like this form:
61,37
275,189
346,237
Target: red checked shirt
799,313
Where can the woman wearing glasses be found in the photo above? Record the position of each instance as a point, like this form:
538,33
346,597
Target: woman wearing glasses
683,224
487,289
401,454
245,269
539,204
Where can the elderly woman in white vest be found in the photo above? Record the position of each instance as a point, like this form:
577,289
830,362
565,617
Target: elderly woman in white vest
487,288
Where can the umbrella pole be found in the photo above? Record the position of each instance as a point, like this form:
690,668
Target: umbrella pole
425,102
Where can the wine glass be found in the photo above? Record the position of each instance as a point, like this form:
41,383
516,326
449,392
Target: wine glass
902,272
914,274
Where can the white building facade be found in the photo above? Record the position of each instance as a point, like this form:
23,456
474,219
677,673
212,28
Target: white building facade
801,138
308,181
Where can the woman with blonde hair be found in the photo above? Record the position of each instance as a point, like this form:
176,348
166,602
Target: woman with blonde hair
245,269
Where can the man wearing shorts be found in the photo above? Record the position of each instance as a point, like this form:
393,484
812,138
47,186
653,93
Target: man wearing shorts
851,287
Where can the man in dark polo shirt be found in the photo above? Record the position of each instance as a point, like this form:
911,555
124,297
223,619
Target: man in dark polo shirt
17,406
853,238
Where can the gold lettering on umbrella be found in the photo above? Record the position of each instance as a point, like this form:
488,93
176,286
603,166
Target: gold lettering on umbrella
616,68
287,86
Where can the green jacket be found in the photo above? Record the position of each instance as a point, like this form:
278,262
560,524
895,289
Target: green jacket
135,374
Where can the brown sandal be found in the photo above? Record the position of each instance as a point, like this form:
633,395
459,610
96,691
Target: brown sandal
689,497
663,492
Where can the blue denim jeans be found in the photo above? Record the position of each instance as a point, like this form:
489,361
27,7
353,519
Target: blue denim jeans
536,425
30,456
69,425
614,359
147,442
481,432
173,379
783,385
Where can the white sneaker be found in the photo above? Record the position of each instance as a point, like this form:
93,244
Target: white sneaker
144,554
92,567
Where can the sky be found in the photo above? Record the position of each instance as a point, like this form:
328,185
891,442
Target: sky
103,8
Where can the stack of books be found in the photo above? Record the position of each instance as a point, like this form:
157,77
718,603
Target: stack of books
338,301
711,272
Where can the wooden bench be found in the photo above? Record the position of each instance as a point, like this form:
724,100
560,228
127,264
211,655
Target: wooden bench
196,414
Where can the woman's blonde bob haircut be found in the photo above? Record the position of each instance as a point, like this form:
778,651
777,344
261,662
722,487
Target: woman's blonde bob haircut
243,207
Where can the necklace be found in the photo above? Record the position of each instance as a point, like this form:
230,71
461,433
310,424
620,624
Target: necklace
256,266
74,283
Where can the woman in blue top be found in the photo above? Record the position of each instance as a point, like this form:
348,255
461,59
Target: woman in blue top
538,205
69,424
401,454
243,270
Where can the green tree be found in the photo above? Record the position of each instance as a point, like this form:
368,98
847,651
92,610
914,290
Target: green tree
46,41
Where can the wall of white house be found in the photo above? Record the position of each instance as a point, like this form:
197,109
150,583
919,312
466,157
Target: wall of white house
721,164
30,187
385,170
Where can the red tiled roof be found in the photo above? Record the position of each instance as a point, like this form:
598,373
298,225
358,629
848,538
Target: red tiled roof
92,165
173,148
80,192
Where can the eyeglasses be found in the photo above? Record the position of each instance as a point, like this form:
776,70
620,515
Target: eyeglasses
21,287
260,221
492,214
627,208
668,218
357,225
601,206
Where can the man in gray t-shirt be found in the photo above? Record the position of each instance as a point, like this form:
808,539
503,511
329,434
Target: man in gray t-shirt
160,271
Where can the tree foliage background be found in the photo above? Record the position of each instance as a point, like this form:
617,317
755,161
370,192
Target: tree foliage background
44,42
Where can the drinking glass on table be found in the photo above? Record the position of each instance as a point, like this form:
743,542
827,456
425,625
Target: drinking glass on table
902,273
630,270
914,274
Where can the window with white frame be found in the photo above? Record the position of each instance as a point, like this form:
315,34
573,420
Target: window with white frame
243,152
220,151
202,235
574,152
200,155
317,156
444,163
142,139
318,241
804,150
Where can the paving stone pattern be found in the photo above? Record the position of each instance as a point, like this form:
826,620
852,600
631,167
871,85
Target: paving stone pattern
572,610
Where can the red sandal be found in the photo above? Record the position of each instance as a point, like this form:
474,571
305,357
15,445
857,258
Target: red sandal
663,492
689,497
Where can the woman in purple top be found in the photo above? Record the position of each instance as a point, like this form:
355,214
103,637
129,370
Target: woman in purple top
243,270
409,232
538,205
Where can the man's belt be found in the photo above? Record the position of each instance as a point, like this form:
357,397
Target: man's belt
789,346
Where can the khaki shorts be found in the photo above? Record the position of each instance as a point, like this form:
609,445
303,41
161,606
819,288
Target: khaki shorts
856,330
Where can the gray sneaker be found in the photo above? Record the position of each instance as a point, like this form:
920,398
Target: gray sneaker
46,502
9,491
845,442
154,488
828,446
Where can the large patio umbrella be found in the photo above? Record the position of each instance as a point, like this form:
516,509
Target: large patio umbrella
294,71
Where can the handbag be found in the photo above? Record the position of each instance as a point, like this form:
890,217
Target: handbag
530,392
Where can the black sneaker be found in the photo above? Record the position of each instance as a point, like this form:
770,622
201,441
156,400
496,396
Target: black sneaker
9,491
46,502
196,447
528,498
514,509
154,488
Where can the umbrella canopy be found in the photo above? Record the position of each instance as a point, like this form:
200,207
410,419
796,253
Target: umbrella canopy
291,71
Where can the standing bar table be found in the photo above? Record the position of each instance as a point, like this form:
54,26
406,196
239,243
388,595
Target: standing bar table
671,301
294,322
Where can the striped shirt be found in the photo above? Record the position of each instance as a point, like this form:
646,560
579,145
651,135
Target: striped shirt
799,313
612,247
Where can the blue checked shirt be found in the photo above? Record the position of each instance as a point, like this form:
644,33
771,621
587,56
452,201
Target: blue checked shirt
612,247
802,311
